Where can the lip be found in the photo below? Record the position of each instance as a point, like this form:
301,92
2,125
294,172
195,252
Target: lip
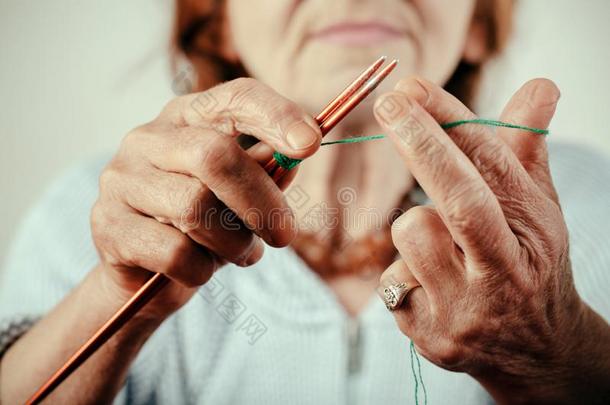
358,33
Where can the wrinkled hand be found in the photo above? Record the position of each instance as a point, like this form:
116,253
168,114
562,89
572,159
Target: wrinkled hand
181,197
497,298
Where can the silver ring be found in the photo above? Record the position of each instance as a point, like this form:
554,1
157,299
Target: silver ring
394,295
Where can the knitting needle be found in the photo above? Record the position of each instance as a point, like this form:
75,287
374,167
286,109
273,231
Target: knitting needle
349,91
113,325
328,119
344,107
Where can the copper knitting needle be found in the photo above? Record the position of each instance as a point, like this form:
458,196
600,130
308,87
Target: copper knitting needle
345,108
120,318
349,91
330,116
341,111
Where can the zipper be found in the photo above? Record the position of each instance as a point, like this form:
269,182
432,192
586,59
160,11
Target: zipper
354,360
354,346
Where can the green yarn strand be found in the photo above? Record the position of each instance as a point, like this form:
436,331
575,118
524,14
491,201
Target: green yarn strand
289,163
354,140
417,377
493,123
285,162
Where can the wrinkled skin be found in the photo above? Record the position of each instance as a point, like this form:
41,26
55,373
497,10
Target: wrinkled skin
496,300
176,196
496,296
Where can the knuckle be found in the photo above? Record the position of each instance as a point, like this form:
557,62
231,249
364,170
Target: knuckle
209,152
98,220
108,179
180,251
102,225
407,223
134,138
245,83
110,258
243,89
554,235
263,107
190,206
449,355
197,276
257,95
199,152
562,240
215,156
280,238
490,157
175,104
283,110
97,214
195,193
464,203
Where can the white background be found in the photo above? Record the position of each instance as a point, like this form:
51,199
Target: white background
76,75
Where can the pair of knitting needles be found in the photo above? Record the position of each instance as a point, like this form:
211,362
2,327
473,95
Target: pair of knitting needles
336,110
342,105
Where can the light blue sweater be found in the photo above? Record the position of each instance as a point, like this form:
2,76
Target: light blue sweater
274,333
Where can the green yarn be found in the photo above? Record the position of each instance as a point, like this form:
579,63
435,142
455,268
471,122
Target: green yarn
289,163
493,123
284,161
354,140
417,375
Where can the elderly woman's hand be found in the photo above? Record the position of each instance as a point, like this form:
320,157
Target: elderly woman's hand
497,298
181,197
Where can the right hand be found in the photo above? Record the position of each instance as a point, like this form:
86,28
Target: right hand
166,197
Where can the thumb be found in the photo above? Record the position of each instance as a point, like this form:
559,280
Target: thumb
533,105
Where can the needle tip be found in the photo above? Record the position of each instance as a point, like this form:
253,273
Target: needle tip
379,62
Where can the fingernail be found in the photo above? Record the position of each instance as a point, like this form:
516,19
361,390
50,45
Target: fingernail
250,255
392,108
301,136
545,93
415,89
256,254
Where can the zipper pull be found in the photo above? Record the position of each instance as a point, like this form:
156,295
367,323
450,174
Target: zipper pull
354,349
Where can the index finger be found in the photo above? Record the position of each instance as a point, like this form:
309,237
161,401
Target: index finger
465,202
250,107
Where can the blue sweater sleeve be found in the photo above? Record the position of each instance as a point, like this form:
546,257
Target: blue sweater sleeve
51,252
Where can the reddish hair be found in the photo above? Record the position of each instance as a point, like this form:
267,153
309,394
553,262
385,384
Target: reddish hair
200,35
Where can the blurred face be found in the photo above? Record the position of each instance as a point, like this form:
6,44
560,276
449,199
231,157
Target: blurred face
308,50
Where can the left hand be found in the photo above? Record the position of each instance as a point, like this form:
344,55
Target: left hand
497,298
